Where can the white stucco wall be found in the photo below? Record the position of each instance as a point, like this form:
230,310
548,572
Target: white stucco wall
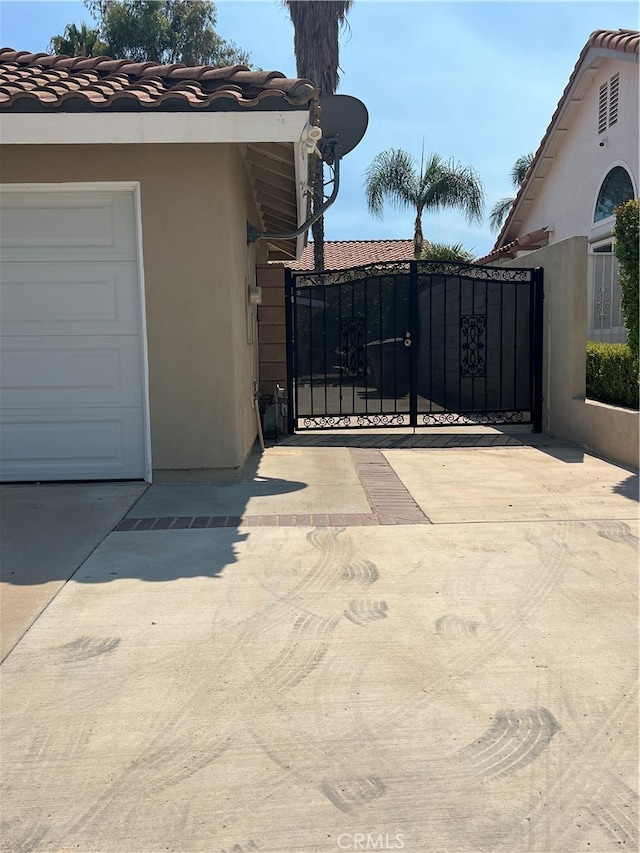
567,195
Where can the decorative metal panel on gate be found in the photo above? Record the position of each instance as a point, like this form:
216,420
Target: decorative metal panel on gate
472,328
353,353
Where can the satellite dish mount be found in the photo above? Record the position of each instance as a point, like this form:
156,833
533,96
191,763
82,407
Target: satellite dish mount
343,120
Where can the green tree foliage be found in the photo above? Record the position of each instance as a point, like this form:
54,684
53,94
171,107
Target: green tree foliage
79,41
626,232
500,209
317,25
164,31
437,184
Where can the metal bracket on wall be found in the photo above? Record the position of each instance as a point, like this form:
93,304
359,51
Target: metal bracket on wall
331,155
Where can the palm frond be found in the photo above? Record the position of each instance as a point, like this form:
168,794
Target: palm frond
520,169
499,213
449,184
391,177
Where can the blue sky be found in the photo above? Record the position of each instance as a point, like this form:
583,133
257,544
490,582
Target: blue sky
476,81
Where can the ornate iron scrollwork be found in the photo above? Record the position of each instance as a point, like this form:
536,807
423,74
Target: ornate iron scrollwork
327,422
602,304
395,268
480,273
383,268
475,418
383,420
472,343
352,351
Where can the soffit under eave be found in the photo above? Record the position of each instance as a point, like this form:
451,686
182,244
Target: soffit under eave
271,170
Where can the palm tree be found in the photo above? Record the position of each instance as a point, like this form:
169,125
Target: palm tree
316,25
78,41
501,208
393,176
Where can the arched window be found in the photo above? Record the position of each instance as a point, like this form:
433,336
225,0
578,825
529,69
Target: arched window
616,189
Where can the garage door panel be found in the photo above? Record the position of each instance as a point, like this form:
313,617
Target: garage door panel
72,381
95,444
72,371
63,299
67,226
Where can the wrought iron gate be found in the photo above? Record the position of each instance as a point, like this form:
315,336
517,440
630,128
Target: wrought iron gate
415,343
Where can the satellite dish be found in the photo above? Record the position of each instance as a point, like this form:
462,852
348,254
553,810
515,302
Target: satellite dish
343,120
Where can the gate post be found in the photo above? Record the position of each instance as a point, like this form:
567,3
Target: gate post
537,322
414,324
289,305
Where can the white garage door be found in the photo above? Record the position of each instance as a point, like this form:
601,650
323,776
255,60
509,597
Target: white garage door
72,378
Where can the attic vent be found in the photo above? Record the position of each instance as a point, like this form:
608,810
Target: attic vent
602,107
608,103
614,87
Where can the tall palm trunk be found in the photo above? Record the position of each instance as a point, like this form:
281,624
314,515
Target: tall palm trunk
418,239
316,25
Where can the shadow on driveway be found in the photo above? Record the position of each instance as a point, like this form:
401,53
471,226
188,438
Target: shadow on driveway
48,531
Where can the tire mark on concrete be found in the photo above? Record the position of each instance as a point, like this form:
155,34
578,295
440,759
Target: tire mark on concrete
363,571
350,794
302,655
157,767
617,531
617,813
450,624
56,745
512,741
583,785
364,612
85,648
553,555
25,840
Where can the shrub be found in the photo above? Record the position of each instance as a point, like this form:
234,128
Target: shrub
611,374
626,250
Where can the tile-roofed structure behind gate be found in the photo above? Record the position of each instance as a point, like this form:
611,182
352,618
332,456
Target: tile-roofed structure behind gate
343,254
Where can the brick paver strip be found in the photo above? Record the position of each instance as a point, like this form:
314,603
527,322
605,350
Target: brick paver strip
390,499
391,503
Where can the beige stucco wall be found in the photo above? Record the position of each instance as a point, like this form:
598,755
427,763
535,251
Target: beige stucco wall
195,202
608,431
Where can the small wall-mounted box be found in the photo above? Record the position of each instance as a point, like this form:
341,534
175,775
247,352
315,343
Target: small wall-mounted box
255,295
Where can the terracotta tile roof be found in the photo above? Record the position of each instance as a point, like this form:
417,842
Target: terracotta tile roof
34,82
343,254
621,41
533,240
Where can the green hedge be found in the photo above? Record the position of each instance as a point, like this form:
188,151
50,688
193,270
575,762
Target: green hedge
611,375
627,249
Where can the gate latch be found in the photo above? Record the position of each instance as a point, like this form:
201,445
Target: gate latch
407,339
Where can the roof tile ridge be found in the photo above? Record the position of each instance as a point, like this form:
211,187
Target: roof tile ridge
19,56
160,69
224,71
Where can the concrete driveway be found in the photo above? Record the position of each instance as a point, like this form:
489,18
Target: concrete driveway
372,643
